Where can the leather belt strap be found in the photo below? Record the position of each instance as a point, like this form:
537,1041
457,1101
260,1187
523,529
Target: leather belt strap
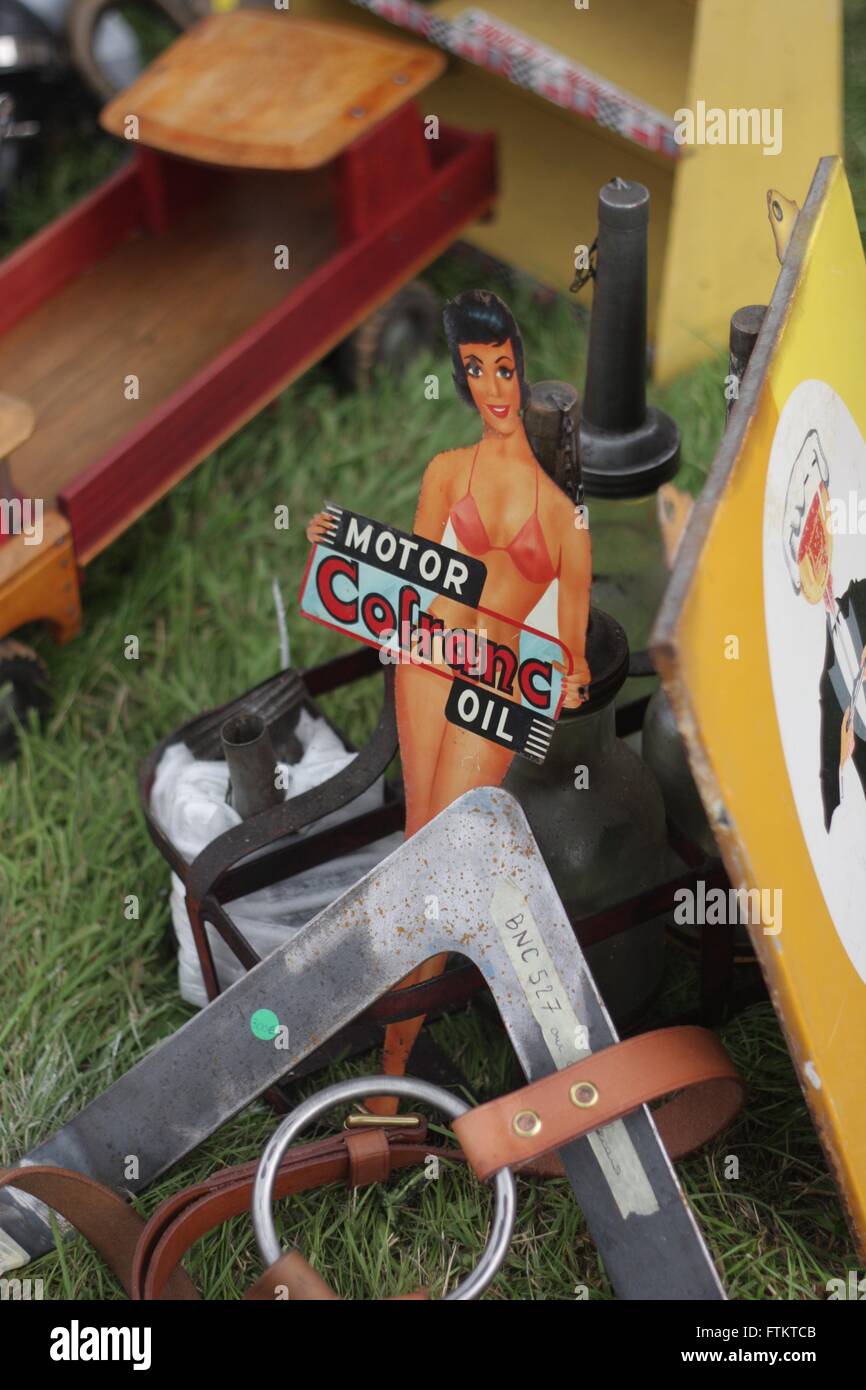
103,1217
604,1087
145,1256
519,1130
183,1219
456,986
369,1158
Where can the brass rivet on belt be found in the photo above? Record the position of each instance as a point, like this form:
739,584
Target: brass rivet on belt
583,1094
526,1123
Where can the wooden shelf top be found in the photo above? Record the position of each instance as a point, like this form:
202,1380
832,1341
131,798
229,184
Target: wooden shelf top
16,424
261,90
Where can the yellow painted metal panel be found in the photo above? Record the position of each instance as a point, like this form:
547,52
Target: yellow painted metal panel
548,181
783,54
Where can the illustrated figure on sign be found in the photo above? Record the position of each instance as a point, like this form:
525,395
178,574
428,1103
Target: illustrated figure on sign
504,509
808,547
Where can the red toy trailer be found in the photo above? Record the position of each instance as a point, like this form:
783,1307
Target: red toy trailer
282,186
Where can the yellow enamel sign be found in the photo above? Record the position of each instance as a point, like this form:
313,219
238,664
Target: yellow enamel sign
760,643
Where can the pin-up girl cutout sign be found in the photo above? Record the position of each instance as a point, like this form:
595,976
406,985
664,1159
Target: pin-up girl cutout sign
491,503
503,509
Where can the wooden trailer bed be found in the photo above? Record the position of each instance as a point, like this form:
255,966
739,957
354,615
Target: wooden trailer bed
152,320
159,308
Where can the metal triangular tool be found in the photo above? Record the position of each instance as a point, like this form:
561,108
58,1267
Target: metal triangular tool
472,881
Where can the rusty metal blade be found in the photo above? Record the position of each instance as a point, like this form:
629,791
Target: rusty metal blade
472,881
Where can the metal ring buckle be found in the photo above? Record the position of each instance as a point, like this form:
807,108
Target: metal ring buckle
408,1088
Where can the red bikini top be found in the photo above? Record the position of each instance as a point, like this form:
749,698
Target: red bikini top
527,550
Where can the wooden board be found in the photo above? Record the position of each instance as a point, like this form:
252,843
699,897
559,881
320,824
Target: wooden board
758,646
266,91
16,423
158,308
332,300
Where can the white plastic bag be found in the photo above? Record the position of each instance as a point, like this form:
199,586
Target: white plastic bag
189,802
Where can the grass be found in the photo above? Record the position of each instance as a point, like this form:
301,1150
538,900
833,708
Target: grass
85,992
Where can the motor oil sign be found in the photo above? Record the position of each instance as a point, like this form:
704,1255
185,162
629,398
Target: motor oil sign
380,585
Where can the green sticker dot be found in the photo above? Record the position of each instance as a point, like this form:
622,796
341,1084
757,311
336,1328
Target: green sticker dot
264,1024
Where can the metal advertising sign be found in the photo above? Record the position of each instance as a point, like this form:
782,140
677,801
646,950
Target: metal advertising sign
377,584
760,643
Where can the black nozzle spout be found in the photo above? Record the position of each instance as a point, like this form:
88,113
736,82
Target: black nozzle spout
252,763
627,450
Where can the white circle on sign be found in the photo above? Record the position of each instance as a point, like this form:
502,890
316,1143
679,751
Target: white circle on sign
815,649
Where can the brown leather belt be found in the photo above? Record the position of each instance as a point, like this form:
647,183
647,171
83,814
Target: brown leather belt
516,1131
604,1087
145,1256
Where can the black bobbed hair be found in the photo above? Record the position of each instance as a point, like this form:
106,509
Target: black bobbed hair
480,316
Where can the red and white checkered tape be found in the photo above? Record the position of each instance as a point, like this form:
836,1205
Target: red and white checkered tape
497,47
